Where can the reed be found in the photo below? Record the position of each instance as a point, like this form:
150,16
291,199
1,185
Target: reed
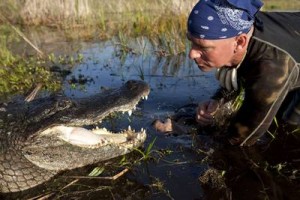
162,21
76,12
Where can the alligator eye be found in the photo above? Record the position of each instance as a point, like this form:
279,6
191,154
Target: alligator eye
131,84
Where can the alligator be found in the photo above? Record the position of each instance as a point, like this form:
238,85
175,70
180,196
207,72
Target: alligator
52,134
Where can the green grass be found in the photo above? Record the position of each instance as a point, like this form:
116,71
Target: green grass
21,75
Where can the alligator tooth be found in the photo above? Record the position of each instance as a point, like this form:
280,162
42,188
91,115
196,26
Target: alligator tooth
140,135
104,129
129,128
129,112
97,127
134,108
142,129
146,97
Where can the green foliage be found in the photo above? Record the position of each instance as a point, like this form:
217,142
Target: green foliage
19,75
238,101
65,59
146,155
7,37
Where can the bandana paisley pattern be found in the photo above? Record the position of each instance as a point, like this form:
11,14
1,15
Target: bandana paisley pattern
231,16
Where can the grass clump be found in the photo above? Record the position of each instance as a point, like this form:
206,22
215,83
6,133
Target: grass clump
19,75
22,75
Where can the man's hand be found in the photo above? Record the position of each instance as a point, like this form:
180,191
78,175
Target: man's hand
205,112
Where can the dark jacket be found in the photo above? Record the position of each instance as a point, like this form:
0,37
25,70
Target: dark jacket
268,73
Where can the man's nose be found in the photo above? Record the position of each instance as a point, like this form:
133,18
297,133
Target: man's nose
194,54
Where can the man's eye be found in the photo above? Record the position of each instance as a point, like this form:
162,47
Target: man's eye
201,48
204,48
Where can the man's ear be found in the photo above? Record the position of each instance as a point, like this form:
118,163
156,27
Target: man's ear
241,41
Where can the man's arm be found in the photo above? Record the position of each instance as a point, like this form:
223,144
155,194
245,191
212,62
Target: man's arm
266,87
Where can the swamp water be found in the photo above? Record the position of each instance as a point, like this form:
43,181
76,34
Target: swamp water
175,164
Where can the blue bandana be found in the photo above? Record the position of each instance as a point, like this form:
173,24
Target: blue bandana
220,19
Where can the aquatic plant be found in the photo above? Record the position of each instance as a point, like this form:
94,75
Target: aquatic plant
146,155
19,76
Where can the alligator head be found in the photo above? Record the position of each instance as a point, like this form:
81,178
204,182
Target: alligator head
46,136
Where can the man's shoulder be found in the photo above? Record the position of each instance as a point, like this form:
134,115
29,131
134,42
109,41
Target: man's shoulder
280,29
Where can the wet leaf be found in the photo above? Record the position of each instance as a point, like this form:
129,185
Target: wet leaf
96,171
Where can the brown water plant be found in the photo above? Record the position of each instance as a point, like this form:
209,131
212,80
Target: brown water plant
162,21
77,11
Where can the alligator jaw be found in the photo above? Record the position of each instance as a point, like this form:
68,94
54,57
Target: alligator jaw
94,138
91,111
61,148
65,146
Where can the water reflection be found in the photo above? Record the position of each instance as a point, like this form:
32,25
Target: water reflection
166,74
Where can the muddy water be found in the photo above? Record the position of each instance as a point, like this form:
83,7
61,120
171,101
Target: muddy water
264,172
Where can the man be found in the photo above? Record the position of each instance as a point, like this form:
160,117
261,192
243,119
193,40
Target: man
258,51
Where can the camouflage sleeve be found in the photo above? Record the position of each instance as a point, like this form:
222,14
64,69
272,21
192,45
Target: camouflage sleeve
266,86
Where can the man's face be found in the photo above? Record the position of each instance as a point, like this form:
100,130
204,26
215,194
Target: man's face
209,54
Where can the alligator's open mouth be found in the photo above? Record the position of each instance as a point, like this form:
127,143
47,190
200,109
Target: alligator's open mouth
50,147
98,137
